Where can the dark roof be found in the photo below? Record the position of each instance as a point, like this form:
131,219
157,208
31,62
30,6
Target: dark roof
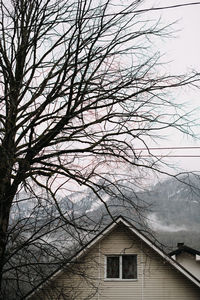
183,248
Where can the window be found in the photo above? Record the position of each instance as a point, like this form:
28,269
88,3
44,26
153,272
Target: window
121,266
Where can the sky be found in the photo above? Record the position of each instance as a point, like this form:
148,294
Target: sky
183,54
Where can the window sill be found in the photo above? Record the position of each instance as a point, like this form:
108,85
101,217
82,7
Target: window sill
119,279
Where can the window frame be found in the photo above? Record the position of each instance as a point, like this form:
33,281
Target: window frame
120,268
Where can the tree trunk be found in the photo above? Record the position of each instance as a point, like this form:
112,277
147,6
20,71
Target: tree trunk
6,197
5,206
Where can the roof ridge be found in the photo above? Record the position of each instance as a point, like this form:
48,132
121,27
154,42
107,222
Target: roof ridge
115,222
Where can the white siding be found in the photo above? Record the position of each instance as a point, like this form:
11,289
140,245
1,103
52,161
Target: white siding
157,280
189,262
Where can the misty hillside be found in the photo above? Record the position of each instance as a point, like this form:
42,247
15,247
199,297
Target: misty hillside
173,210
172,215
175,214
177,205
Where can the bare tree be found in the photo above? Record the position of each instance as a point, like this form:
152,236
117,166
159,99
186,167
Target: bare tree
39,242
81,88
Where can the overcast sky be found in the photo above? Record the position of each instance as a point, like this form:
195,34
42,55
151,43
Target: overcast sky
183,52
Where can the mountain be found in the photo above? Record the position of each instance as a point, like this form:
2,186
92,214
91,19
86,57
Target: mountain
169,213
175,211
170,208
176,205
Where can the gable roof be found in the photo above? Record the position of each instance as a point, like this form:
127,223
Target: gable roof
183,248
102,235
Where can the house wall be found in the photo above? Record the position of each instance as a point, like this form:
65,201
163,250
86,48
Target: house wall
189,262
157,280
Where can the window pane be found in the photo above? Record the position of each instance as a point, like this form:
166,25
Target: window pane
113,267
129,266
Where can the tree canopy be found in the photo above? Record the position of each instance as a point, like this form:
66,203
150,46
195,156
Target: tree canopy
81,89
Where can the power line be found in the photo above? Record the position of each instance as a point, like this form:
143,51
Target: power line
166,156
140,155
170,155
167,148
146,149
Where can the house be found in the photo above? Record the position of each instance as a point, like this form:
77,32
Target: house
120,263
188,257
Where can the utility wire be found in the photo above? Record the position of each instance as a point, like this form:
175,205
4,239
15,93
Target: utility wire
168,148
151,148
165,156
162,155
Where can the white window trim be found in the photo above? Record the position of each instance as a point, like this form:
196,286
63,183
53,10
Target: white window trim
120,268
